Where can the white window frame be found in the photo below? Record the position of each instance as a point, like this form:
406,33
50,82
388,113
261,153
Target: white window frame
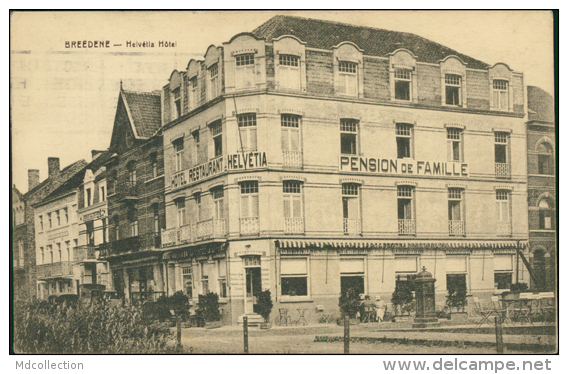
222,279
350,127
245,71
293,192
403,75
289,72
406,131
501,89
248,133
176,103
180,212
213,73
348,74
453,81
179,148
453,136
249,192
216,129
307,276
290,126
193,92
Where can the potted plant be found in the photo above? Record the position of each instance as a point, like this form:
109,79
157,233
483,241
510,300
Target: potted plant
349,303
456,298
208,309
264,307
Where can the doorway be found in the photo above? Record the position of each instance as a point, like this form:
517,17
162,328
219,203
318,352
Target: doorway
253,288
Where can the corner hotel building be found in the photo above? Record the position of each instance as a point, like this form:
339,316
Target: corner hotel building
304,162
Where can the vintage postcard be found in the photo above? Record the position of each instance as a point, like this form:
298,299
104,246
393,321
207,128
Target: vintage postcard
269,182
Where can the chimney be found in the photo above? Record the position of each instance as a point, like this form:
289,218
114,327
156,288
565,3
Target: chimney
53,166
33,178
95,153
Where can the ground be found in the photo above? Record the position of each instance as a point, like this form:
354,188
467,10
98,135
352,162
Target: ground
294,340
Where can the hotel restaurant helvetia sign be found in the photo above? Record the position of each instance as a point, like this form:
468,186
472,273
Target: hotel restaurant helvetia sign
239,161
401,166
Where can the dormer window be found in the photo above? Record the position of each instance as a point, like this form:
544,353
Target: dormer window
213,81
501,94
176,108
348,78
289,72
244,73
402,84
453,89
193,93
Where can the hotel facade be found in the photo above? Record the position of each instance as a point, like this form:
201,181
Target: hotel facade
305,163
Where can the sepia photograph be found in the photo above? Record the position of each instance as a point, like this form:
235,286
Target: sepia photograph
284,182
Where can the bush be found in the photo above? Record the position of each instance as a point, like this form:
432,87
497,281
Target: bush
264,305
208,307
402,298
98,327
349,303
457,293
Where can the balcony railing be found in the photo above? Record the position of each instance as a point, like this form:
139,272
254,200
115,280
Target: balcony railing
57,269
406,226
502,170
131,244
84,252
250,226
293,225
177,235
351,226
503,228
211,228
292,159
456,227
127,191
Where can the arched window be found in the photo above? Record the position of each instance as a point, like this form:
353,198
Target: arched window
545,165
546,215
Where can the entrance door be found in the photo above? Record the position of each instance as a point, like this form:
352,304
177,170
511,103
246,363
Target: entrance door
253,287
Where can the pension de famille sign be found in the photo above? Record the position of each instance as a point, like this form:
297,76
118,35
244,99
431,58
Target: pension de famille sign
401,166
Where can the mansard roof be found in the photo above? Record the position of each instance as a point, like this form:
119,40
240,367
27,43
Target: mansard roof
144,111
373,41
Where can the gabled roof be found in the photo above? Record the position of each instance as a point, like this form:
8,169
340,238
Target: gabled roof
69,182
540,105
144,112
374,42
64,174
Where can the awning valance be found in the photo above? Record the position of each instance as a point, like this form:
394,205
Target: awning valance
393,244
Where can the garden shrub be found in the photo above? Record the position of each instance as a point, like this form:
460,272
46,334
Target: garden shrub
208,307
349,302
457,293
98,327
402,298
265,305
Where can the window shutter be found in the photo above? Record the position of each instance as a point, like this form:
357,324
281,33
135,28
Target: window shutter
353,208
342,86
286,206
293,266
450,153
351,83
254,205
297,206
245,206
252,139
285,140
295,140
243,139
504,99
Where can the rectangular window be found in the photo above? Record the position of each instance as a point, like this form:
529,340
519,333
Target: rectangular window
290,125
402,84
456,219
58,216
180,208
218,207
204,280
102,193
404,140
294,276
195,135
49,220
178,149
42,256
348,131
352,273
292,199
154,164
68,250
406,220
58,252
21,253
289,72
247,131
351,208
501,142
90,233
198,208
502,206
187,281
41,223
454,142
176,103
88,197
244,71
348,80
501,94
503,271
249,199
217,134
453,89
222,277
194,93
213,81
50,253
105,234
134,228
503,281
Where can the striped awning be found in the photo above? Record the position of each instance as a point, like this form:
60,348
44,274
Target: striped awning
305,243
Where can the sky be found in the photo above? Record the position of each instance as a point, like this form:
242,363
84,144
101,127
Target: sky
63,100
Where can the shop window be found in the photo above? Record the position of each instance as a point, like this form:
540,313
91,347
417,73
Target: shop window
294,276
501,94
454,143
545,164
289,72
348,79
503,281
352,273
404,140
453,89
402,84
247,131
349,130
503,271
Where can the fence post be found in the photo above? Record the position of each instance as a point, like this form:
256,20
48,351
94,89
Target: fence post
178,325
245,333
499,334
346,334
